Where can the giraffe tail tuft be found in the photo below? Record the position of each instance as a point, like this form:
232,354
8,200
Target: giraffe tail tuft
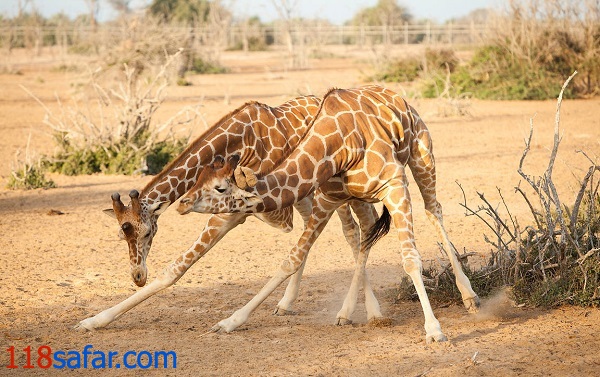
378,230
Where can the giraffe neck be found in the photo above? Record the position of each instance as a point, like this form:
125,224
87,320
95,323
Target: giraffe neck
261,135
348,122
314,162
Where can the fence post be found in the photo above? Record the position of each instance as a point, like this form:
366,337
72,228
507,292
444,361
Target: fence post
362,35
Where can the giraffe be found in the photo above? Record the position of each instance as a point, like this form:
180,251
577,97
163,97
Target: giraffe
358,147
261,135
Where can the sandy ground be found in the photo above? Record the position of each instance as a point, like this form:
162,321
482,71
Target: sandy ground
58,270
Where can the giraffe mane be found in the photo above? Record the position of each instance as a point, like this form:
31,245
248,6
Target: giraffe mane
279,161
193,145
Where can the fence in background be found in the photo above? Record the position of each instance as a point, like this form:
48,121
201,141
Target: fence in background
236,36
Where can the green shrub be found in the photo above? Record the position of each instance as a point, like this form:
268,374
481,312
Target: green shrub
122,158
403,70
494,74
441,59
254,44
29,177
202,66
162,153
409,69
530,49
578,285
182,81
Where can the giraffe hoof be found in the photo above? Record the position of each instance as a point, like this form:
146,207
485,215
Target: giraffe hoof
472,304
343,321
80,328
437,338
283,312
85,325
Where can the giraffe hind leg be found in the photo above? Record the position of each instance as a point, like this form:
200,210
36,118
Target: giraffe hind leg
367,217
422,165
470,299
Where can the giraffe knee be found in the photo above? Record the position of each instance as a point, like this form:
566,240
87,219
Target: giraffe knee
413,266
433,207
290,266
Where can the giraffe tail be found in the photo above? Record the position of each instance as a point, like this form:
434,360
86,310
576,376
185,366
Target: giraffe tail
378,230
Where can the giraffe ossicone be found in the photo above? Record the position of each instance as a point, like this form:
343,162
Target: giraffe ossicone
244,177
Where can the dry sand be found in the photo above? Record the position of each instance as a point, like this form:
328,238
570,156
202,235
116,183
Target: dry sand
57,270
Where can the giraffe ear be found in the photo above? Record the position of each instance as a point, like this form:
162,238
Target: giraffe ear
240,178
110,212
158,208
251,179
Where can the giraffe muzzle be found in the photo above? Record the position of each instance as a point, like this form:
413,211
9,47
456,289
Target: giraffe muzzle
139,275
185,206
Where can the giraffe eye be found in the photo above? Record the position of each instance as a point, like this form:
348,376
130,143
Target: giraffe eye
127,228
220,190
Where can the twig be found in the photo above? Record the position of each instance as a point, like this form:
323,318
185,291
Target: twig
470,212
587,255
533,211
496,216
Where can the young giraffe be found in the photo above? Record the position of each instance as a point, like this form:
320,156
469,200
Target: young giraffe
364,138
261,135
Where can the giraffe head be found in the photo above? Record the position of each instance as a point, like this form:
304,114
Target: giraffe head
220,189
138,226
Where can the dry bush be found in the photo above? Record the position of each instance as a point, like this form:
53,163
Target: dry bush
556,260
553,36
552,262
145,44
118,135
434,68
430,62
449,103
531,46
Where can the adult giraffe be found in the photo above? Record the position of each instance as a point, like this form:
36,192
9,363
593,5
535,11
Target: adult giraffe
261,135
366,137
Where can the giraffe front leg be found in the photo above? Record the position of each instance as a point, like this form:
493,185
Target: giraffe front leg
109,315
412,266
240,316
291,265
422,165
216,227
284,306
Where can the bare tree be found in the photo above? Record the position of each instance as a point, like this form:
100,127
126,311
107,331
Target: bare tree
94,8
296,52
121,6
22,6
